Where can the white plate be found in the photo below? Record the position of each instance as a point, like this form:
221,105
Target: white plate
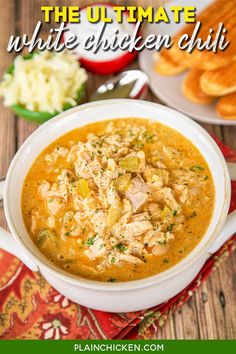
168,89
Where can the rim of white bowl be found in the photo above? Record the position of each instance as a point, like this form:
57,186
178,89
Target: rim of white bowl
184,264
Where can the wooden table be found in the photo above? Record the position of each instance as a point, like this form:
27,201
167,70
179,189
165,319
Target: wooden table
210,313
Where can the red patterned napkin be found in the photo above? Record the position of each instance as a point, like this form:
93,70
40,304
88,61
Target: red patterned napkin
31,309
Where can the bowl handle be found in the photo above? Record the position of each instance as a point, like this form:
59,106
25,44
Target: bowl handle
2,182
232,170
230,226
8,243
228,230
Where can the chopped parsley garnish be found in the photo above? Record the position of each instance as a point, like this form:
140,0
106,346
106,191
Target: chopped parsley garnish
45,235
148,137
139,145
112,280
113,260
197,168
205,178
165,260
131,133
170,227
90,241
174,212
161,243
121,247
193,214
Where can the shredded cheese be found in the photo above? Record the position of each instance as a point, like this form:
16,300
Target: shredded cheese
44,83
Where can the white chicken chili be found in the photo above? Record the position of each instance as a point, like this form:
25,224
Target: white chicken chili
118,200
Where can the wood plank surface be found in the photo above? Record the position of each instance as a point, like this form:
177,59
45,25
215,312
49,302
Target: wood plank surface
210,313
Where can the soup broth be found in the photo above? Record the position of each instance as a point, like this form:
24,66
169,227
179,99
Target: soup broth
118,200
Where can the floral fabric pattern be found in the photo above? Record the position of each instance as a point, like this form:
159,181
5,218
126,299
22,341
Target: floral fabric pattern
54,326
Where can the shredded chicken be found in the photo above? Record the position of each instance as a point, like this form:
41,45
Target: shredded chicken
96,249
58,152
124,206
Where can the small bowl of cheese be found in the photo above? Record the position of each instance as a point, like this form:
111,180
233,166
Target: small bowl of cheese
39,86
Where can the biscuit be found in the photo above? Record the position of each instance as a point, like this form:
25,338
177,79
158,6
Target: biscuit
208,60
219,82
210,17
226,107
192,90
168,67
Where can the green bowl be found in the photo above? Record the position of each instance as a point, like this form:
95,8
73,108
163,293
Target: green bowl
40,117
